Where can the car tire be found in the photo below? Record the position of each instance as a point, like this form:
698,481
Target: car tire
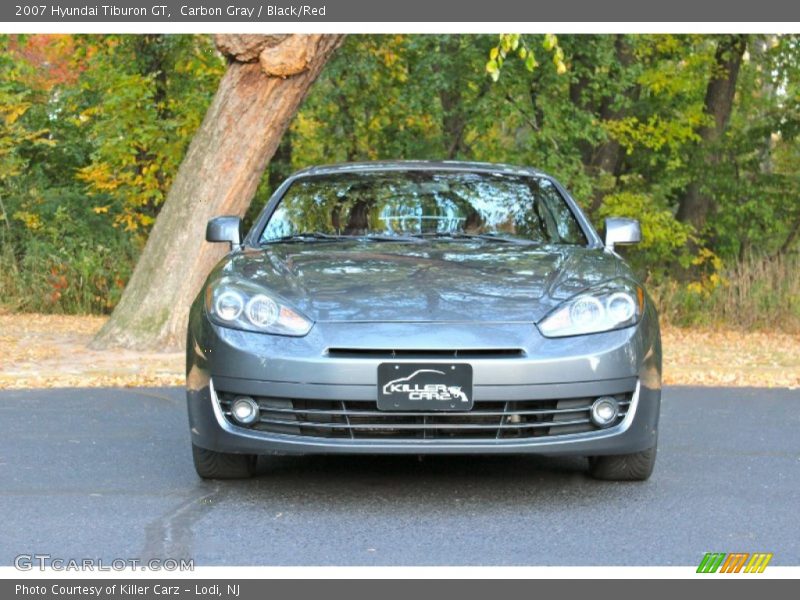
221,465
624,467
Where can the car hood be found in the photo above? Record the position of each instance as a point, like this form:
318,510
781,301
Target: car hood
425,282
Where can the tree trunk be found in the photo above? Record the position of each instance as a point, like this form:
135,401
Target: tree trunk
454,117
794,232
603,158
577,95
607,157
696,204
280,165
266,80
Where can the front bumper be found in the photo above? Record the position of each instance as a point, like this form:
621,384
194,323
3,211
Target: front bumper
626,363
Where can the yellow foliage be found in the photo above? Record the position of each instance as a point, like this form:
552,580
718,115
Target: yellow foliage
709,282
12,113
709,258
31,220
99,176
695,287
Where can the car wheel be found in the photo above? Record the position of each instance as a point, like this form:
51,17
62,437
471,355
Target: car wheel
623,467
221,465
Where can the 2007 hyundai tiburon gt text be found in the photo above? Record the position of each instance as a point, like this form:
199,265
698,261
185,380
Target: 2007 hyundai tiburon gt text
423,308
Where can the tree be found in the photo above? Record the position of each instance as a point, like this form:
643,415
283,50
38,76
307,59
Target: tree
95,128
266,80
148,94
15,134
606,103
696,203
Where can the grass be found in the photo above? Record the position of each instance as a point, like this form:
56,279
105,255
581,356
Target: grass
78,278
758,294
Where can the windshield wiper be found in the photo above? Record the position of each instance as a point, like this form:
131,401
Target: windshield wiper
311,236
460,235
318,236
379,237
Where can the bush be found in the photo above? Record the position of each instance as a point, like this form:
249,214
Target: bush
758,293
663,237
66,260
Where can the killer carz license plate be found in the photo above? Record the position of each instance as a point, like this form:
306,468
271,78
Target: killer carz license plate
424,386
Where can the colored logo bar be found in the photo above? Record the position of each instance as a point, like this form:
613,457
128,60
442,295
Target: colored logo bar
734,562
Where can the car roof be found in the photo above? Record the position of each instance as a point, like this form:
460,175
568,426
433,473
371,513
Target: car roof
418,165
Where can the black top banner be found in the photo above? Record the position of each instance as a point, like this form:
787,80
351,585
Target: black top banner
442,11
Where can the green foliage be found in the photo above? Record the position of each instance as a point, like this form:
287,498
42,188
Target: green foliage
663,237
151,93
92,130
512,45
757,184
755,293
16,132
393,97
68,260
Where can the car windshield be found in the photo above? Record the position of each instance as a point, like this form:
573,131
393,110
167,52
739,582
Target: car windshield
419,204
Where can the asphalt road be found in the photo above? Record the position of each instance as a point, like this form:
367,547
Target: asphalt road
108,473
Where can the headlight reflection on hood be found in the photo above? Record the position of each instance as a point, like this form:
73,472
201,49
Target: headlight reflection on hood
612,305
243,305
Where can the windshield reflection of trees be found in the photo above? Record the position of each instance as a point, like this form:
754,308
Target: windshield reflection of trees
426,202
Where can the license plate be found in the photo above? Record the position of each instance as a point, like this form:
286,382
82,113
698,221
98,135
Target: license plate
424,386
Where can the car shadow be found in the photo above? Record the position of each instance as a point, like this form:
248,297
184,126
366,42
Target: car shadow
413,479
446,486
413,467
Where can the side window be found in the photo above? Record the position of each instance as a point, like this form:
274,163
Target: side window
555,212
279,224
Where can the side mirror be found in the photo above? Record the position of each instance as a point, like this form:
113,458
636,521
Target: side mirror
620,231
225,229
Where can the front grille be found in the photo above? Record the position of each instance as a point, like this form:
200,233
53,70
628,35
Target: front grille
424,353
362,420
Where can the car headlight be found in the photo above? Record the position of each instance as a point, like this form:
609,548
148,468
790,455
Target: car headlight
243,305
613,305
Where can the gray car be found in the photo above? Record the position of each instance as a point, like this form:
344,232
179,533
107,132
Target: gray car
423,308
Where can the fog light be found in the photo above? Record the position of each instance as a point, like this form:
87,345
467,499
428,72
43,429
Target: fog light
244,410
604,411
